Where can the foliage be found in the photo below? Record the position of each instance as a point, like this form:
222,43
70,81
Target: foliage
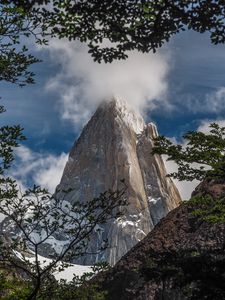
12,288
193,273
208,209
36,217
82,288
16,24
10,136
111,28
201,157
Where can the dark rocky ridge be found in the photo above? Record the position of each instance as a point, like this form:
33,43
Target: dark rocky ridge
182,258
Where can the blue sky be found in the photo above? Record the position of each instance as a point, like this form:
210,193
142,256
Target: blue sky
183,88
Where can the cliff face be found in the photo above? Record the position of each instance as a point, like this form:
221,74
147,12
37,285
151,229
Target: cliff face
182,258
116,144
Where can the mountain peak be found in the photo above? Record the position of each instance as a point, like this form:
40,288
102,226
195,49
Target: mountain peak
116,144
122,111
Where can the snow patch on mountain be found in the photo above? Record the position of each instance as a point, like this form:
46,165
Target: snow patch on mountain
130,117
67,274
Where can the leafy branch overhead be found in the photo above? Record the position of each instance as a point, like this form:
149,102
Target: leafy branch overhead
201,157
15,23
10,137
111,28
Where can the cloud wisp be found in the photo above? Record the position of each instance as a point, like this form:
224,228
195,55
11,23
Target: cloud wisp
206,103
42,169
204,125
82,84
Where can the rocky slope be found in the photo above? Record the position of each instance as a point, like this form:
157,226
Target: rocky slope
182,258
116,144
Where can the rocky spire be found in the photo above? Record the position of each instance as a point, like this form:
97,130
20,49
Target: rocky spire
116,144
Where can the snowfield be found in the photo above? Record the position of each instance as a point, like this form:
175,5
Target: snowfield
67,274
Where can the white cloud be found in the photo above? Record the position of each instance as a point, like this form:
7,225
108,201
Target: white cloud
204,125
211,102
42,169
185,187
215,101
82,83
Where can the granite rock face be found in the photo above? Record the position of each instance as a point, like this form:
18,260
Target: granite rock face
116,144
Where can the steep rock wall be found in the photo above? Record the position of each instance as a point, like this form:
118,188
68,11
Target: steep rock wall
116,144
